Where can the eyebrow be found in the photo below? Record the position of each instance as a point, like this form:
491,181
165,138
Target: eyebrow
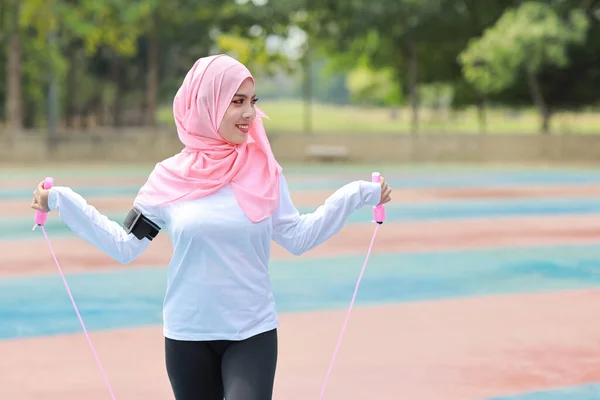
242,95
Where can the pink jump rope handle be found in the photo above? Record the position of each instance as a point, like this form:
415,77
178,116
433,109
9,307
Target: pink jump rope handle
378,211
40,216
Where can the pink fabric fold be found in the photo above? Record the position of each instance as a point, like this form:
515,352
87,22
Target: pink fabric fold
208,162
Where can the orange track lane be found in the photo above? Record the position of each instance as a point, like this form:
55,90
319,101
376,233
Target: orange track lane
33,257
464,349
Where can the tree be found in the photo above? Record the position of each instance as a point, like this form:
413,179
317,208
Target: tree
445,35
373,87
572,87
527,38
388,32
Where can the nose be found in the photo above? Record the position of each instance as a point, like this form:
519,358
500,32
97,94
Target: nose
249,114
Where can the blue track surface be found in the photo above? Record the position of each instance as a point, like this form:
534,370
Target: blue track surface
584,392
418,180
35,306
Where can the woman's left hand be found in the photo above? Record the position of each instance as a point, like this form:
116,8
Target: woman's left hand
386,192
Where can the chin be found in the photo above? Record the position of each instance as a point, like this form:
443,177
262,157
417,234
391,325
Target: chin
239,140
234,137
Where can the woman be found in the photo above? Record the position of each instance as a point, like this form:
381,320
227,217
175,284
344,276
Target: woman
222,199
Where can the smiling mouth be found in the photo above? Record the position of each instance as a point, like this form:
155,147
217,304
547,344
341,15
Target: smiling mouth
243,128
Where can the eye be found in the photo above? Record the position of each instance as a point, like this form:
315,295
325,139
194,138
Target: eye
241,101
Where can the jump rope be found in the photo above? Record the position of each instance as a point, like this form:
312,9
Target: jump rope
41,217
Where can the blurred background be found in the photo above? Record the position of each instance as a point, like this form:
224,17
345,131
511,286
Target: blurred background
77,71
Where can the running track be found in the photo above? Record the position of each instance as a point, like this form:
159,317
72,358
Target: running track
484,285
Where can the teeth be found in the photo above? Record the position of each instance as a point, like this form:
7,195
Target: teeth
243,126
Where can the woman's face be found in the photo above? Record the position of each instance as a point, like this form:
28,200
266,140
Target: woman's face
240,114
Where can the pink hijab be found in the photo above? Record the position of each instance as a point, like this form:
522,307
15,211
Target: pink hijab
208,162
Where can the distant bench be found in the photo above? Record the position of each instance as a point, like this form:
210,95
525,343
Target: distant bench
327,152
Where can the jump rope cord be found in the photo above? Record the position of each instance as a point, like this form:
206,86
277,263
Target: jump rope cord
379,214
337,347
79,315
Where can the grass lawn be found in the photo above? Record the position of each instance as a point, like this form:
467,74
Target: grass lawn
288,116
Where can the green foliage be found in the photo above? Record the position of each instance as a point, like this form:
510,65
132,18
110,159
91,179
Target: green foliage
530,36
250,51
41,15
573,87
115,24
358,50
370,86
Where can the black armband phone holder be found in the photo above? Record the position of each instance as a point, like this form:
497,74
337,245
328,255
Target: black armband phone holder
136,223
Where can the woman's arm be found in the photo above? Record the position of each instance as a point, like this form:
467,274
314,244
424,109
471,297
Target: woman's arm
300,233
88,223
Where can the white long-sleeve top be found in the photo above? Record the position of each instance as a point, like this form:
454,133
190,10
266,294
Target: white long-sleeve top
218,284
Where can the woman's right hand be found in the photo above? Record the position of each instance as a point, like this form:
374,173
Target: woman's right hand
40,198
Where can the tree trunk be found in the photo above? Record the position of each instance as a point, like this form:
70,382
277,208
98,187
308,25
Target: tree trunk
53,95
72,109
413,83
152,81
538,100
482,117
14,79
119,101
307,90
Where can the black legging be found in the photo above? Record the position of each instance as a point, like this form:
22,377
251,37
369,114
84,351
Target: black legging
213,370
